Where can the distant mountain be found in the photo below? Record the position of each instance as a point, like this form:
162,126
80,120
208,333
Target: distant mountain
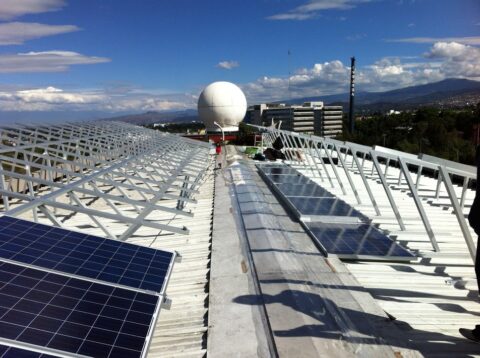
432,93
447,92
152,117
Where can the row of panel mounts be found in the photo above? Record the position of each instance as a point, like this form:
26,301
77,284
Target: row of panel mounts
335,226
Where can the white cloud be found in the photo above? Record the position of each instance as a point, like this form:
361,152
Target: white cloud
293,16
322,78
56,96
46,61
469,40
458,60
56,99
41,99
16,33
389,70
453,50
387,74
227,65
10,9
443,60
148,104
312,9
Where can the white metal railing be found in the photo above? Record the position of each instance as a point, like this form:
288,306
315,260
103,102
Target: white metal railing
318,152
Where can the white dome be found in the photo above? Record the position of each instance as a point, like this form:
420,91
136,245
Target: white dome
223,103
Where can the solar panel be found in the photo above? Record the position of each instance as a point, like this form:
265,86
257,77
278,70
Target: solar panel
15,352
304,190
84,255
336,227
308,200
271,165
292,178
357,241
325,207
73,315
279,170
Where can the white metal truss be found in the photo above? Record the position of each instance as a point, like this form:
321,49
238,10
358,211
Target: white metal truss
312,152
59,170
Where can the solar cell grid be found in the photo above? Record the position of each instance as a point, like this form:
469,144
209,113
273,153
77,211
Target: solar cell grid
356,240
310,202
73,315
325,207
280,170
84,255
288,178
271,165
304,190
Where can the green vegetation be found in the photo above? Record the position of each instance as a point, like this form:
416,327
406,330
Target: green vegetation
443,133
251,150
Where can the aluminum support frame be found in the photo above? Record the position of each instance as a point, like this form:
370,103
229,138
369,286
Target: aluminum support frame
370,156
65,166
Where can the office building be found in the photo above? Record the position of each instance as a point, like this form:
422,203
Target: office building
310,117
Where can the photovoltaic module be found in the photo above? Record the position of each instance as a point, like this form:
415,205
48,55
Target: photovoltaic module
335,226
64,291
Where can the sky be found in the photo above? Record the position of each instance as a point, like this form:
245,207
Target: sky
119,56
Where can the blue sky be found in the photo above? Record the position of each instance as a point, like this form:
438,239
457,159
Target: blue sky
134,56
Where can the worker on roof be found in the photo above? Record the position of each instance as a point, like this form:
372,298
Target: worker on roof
474,220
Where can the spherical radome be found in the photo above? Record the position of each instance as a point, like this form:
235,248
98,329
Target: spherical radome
223,103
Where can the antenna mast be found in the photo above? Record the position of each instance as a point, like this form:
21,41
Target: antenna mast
351,114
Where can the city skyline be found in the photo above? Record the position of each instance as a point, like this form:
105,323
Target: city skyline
126,56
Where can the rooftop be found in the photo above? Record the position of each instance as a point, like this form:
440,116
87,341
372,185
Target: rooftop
249,279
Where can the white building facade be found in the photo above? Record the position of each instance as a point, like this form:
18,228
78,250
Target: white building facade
310,117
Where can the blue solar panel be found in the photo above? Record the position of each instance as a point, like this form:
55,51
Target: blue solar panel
73,315
279,170
84,255
14,352
271,165
305,190
311,203
356,241
325,207
288,178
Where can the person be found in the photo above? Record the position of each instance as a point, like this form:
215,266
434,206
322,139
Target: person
218,149
474,221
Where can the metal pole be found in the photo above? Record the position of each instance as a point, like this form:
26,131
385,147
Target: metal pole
221,129
351,116
384,182
418,203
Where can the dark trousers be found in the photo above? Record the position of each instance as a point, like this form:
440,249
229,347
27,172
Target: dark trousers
477,264
476,331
